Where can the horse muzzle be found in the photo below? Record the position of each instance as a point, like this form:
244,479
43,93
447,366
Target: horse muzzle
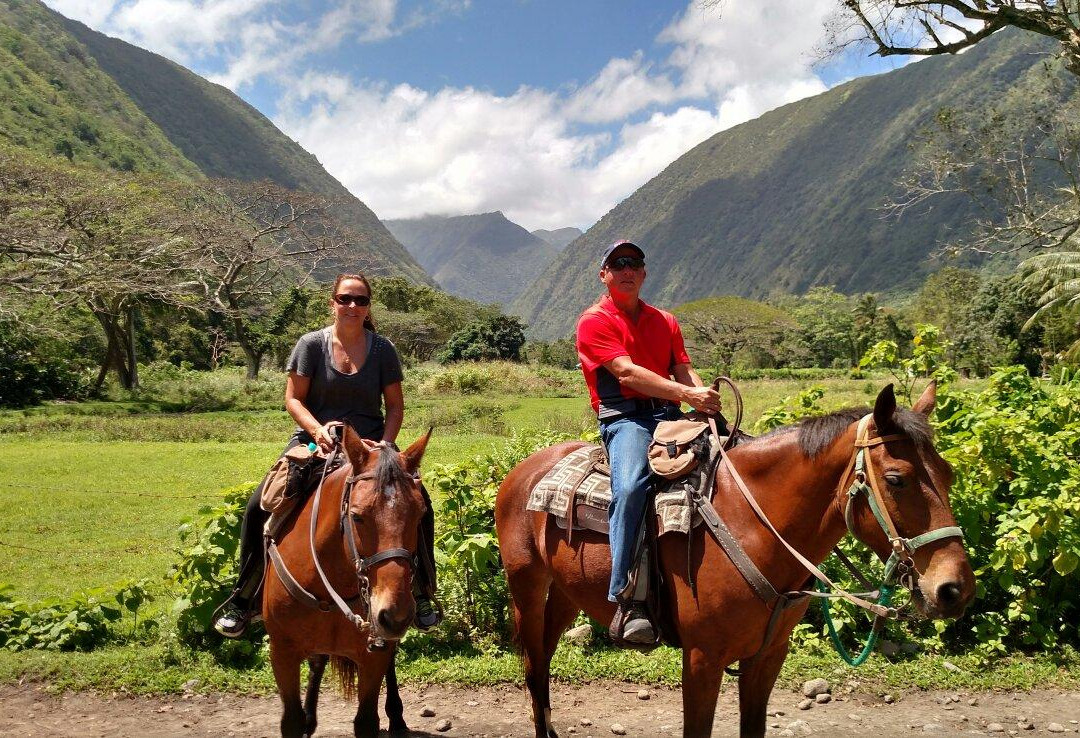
390,620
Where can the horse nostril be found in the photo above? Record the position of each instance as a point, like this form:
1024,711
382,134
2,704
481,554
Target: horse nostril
948,594
385,621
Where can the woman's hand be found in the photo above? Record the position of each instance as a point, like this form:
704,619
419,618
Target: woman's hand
324,437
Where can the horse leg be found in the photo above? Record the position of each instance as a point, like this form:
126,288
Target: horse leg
529,589
316,667
559,613
701,674
756,679
395,710
286,665
366,722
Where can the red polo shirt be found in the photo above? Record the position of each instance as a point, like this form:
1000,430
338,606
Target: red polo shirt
604,333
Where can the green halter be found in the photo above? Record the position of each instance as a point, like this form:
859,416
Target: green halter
899,562
863,484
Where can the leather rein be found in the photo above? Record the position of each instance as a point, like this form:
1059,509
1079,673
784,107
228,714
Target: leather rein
361,565
898,568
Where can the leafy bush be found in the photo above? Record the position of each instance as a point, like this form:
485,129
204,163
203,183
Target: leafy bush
205,574
1014,446
80,622
496,377
476,415
182,389
32,371
472,584
791,409
927,359
495,337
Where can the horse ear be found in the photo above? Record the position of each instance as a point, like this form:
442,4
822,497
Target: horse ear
414,453
884,407
926,401
355,450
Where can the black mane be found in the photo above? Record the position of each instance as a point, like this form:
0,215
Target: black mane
818,433
389,471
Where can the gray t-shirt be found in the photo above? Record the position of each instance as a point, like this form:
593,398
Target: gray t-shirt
354,398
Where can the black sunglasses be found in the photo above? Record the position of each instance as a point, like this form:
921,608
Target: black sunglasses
361,300
624,262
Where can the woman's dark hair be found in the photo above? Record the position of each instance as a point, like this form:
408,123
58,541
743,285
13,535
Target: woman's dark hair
369,321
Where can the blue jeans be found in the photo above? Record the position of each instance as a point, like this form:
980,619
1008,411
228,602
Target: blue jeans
627,441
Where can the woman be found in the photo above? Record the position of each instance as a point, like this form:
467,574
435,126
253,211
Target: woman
344,373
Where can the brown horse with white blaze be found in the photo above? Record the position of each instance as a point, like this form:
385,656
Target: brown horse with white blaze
798,476
376,501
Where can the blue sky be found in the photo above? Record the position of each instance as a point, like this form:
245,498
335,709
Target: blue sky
551,111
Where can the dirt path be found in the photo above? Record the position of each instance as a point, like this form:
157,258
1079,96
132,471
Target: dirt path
582,711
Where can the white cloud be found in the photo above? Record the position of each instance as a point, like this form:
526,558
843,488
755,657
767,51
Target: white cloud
93,13
550,159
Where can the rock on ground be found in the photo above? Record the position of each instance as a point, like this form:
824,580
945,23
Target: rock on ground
814,687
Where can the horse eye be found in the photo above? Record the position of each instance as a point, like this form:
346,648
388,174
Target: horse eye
894,480
357,518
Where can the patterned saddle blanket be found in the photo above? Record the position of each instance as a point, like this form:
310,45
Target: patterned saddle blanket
584,474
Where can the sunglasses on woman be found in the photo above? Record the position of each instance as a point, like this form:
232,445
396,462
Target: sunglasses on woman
360,300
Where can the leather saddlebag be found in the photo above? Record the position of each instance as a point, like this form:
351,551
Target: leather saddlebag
286,478
677,446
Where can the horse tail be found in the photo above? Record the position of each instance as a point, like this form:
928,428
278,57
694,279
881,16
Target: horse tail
346,672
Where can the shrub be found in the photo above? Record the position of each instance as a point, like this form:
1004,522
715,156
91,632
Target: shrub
205,574
495,337
1014,446
80,622
32,371
472,584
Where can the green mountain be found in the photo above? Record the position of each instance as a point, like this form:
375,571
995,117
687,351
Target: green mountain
483,257
71,91
56,100
560,238
793,199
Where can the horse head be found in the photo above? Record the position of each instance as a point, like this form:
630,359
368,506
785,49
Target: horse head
903,511
384,511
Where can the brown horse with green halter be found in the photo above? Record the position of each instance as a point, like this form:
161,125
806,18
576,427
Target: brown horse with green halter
877,469
339,584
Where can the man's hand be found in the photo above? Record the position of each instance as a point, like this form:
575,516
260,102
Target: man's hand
704,399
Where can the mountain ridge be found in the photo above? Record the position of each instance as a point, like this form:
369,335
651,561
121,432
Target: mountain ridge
484,256
78,93
789,200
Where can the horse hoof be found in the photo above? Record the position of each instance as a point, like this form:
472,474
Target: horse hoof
399,729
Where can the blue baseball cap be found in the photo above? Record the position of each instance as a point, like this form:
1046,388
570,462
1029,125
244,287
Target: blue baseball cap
617,244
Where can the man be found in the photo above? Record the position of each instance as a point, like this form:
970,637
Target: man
638,373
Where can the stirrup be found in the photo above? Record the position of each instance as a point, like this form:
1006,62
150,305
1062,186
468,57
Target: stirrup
626,613
433,615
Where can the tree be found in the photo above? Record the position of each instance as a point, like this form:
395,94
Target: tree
498,337
258,239
824,335
1056,278
719,328
1015,161
934,27
106,240
420,319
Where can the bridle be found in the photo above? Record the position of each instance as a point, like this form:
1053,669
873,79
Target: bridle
900,566
362,565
